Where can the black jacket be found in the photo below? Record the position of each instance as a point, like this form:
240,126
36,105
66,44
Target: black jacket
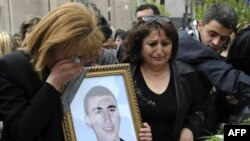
30,109
190,98
217,72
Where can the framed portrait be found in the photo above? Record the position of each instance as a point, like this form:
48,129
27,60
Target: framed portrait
101,103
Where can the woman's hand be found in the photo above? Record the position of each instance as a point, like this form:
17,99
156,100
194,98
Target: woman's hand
64,71
186,135
145,133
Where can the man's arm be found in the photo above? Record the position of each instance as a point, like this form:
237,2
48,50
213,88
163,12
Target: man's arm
222,75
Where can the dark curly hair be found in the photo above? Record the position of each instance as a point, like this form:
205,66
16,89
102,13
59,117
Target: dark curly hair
238,53
139,32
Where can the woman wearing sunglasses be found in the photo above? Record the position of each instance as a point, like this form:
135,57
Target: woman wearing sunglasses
169,93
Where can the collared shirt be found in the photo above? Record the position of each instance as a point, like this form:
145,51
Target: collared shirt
192,30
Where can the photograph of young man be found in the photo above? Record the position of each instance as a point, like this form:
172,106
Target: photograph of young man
102,113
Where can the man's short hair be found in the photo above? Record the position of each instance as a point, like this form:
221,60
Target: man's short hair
223,14
96,91
148,6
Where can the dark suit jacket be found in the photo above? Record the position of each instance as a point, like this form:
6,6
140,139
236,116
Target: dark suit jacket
220,74
30,109
215,71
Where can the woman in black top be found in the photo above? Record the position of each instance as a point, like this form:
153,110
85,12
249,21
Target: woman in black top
170,94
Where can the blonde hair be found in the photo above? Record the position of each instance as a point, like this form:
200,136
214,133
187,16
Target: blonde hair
70,26
7,43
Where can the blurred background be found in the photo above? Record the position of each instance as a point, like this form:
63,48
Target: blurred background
119,13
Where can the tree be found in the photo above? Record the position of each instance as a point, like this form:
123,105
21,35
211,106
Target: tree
241,7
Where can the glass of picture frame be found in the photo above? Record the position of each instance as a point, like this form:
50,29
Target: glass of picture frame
114,117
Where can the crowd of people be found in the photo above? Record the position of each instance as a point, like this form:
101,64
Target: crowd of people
185,89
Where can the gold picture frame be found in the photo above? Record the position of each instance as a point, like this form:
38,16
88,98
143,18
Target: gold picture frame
117,78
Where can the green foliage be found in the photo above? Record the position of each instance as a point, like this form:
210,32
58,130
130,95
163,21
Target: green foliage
162,8
216,138
134,6
240,6
246,121
219,136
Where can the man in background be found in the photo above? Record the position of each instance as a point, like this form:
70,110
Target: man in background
200,44
146,10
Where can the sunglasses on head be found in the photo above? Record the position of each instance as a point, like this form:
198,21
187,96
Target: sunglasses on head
155,18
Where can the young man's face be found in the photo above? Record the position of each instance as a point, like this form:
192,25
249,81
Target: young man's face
104,117
214,34
146,12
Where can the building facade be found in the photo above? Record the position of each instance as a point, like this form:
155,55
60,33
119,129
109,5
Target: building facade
14,12
119,13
